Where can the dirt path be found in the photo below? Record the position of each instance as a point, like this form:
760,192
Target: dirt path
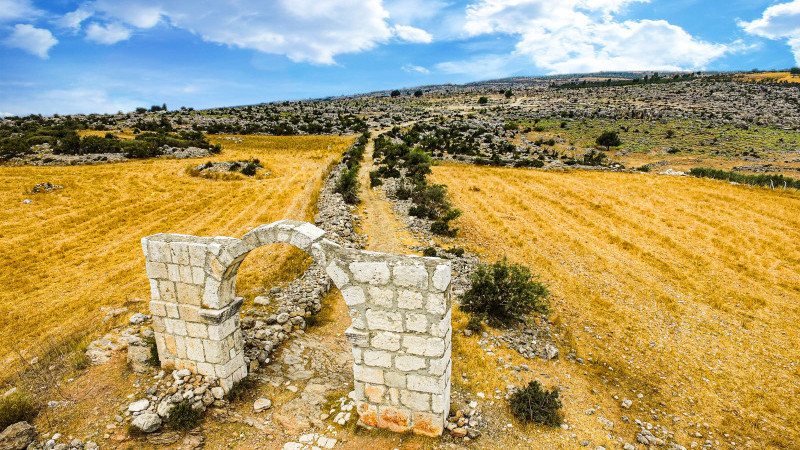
380,223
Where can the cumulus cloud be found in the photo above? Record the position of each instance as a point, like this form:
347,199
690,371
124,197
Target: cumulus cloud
583,36
17,9
74,19
107,34
411,34
780,21
303,30
411,68
36,41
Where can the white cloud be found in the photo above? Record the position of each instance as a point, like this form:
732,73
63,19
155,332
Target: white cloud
411,34
107,34
5,114
17,10
75,18
33,40
583,36
303,30
74,100
411,68
780,21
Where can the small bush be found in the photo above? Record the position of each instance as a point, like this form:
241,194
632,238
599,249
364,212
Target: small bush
456,251
251,167
183,417
430,251
80,361
347,185
402,193
483,100
534,404
475,324
375,179
16,407
504,293
154,359
241,389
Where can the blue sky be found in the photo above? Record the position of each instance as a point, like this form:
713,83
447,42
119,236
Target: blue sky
66,56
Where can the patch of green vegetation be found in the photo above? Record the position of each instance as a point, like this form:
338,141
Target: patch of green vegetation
183,417
537,405
694,136
17,407
766,180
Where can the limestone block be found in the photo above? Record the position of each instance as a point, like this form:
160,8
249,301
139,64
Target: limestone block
381,297
283,231
378,358
158,324
386,341
428,424
374,393
422,346
370,272
144,248
173,272
172,310
411,276
190,313
197,330
441,277
417,401
395,379
367,413
180,346
166,291
358,338
198,275
416,322
154,293
180,253
197,254
158,251
408,363
384,320
194,349
338,276
222,330
215,269
353,295
319,255
189,294
304,235
394,419
211,294
422,383
368,374
157,308
439,366
357,355
437,304
409,299
156,270
442,327
216,352
438,404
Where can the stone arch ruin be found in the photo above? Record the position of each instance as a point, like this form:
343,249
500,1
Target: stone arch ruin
399,306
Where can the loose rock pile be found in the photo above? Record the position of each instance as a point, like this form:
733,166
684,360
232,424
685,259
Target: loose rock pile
45,187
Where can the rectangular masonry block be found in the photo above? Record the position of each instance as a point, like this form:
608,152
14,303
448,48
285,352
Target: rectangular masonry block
356,337
418,401
381,297
394,419
197,330
337,275
172,310
166,291
216,352
439,366
198,275
221,331
173,272
422,383
385,340
194,349
411,276
416,322
154,294
353,295
441,277
158,324
180,253
409,363
197,254
378,358
422,346
409,299
395,379
374,393
189,294
370,272
158,251
437,304
368,374
384,320
157,308
156,270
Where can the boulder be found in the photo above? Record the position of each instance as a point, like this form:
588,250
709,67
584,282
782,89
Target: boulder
17,436
147,422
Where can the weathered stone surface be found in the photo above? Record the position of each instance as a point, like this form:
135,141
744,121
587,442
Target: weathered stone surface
17,436
147,422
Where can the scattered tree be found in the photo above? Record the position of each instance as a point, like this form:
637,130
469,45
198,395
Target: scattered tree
483,101
418,93
609,139
395,93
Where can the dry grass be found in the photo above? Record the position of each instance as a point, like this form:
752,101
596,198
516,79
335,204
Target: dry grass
775,77
683,289
76,250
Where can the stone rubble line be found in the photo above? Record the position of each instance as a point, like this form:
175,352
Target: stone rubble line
399,305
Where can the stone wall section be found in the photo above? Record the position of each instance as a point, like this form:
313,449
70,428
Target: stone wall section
399,306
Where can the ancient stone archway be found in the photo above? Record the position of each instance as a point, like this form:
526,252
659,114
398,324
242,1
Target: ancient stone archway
399,305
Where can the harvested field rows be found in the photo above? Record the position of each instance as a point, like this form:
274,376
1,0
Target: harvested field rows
684,289
76,250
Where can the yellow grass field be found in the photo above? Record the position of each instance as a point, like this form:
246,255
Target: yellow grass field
778,77
77,250
686,290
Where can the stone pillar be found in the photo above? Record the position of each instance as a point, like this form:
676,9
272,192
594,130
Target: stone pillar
401,336
195,314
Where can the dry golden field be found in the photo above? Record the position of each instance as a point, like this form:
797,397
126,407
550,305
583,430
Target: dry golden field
76,250
685,290
779,77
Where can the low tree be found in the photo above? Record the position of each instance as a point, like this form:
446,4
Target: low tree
509,94
418,93
395,93
483,101
609,139
795,70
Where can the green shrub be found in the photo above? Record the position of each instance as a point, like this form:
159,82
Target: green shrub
241,389
456,251
347,185
16,407
183,417
251,167
403,193
442,226
475,324
536,405
375,179
483,101
504,293
154,360
608,139
773,181
430,251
